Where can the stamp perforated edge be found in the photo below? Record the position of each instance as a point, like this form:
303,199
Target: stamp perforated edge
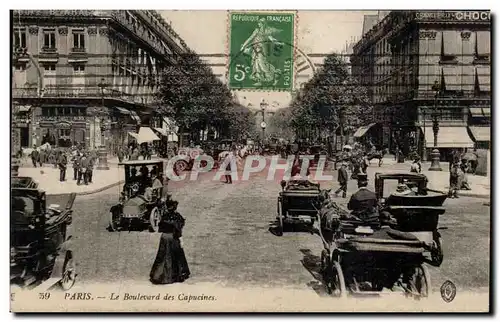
228,44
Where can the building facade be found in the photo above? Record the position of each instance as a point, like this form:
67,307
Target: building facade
87,78
408,52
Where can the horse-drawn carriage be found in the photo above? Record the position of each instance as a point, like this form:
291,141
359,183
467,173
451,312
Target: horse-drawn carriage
297,203
41,252
390,253
140,203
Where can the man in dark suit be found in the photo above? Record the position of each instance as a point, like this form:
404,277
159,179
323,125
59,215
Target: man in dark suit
342,179
363,203
62,162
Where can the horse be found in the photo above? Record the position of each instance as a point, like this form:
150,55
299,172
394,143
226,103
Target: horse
376,155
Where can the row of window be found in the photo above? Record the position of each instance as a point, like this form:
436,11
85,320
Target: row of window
49,39
64,111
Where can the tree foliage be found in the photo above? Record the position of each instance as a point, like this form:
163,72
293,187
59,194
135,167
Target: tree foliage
330,99
195,98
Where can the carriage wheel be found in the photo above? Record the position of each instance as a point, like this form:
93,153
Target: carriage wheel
279,228
69,272
154,220
437,252
114,222
420,282
335,281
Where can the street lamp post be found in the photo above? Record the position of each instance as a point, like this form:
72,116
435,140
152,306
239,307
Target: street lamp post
435,156
263,106
103,161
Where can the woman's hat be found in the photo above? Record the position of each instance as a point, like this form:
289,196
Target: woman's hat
401,187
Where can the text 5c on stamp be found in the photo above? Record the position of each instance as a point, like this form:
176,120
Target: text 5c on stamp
261,51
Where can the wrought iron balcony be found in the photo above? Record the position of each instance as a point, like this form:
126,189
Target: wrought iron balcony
78,50
46,49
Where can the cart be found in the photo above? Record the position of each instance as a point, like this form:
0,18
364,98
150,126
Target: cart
359,258
297,203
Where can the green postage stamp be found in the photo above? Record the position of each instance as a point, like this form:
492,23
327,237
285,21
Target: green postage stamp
261,49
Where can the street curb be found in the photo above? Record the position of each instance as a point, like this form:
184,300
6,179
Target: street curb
86,193
475,195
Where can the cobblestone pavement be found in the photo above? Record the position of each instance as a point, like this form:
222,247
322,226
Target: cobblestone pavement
228,242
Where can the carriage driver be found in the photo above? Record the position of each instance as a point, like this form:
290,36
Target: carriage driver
363,203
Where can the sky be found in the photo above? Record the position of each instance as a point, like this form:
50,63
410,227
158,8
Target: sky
318,32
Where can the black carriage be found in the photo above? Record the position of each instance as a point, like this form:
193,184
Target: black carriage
41,252
360,257
137,207
297,203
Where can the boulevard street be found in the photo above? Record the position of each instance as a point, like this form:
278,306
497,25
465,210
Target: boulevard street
227,239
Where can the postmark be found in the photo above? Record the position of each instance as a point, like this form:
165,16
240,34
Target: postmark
261,50
448,291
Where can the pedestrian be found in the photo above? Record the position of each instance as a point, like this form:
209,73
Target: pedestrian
62,163
76,164
342,179
170,265
120,154
416,166
454,178
90,168
35,155
82,173
229,160
41,157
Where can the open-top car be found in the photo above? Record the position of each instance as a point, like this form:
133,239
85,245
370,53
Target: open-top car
141,200
41,253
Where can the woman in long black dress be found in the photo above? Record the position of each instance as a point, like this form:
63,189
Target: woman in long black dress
170,265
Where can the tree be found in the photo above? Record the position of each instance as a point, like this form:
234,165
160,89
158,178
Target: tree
331,99
195,98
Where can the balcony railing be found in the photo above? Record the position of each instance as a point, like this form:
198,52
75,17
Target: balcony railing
78,50
49,49
81,92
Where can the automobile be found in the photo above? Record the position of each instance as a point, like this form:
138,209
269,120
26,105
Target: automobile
41,251
135,208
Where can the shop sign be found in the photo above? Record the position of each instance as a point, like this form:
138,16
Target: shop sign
454,15
63,118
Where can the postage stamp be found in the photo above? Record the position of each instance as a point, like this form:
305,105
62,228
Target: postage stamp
155,174
261,50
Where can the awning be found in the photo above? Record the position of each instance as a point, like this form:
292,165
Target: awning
481,133
362,130
452,78
146,135
135,117
22,108
132,134
487,112
476,111
448,137
122,110
484,78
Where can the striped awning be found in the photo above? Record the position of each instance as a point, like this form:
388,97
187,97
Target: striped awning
362,130
448,137
481,133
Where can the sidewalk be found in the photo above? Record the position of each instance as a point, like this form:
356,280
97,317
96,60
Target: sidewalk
48,180
439,180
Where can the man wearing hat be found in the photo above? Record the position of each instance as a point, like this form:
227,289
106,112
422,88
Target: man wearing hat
342,179
363,202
